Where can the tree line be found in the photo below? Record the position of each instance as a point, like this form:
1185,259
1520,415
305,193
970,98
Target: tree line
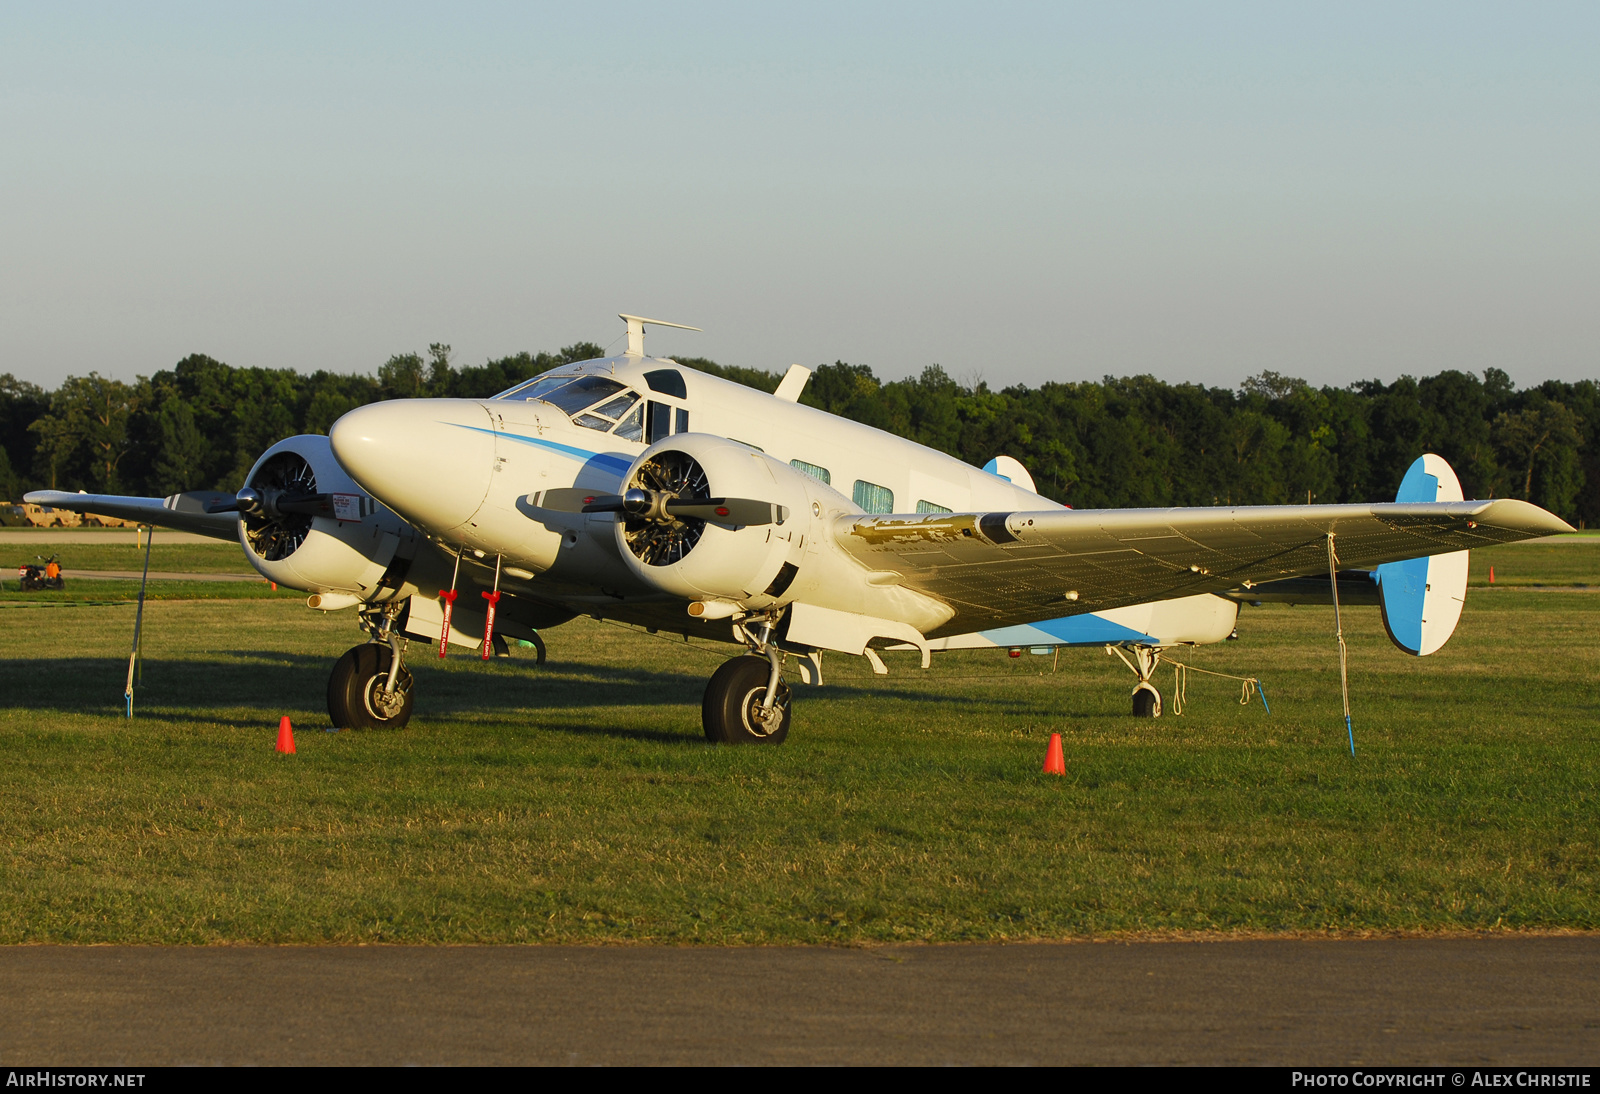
1129,441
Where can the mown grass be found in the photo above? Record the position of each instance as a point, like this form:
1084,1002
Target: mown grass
1571,560
577,802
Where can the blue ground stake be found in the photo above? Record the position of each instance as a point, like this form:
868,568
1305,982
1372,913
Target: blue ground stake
1263,693
1348,729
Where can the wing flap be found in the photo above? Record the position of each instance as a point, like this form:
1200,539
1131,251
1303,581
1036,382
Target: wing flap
1003,568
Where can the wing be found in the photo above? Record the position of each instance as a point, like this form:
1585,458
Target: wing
1002,568
185,512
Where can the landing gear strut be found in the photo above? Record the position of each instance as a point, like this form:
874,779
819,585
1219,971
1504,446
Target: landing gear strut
370,687
1146,699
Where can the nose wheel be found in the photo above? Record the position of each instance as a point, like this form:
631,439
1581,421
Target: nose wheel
735,709
360,695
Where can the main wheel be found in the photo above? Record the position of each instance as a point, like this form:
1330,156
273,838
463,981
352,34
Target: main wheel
731,711
356,697
1146,702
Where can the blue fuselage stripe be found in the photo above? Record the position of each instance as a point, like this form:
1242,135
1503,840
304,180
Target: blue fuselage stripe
582,455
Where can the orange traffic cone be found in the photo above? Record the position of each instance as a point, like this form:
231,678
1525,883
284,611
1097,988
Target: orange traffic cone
1054,763
285,736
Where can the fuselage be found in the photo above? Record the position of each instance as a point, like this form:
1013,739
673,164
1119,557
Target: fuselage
464,472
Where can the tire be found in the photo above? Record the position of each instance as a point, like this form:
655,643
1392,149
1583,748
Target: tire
356,686
729,711
1146,702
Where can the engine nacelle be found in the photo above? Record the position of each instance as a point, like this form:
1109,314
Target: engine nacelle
752,565
351,545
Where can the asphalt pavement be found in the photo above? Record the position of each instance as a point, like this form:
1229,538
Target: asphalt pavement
1464,1001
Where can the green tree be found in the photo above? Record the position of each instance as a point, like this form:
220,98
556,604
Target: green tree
88,418
183,454
1541,443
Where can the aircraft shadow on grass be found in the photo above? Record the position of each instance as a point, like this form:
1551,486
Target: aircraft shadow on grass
213,689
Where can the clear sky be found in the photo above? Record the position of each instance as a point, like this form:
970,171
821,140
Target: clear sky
1018,192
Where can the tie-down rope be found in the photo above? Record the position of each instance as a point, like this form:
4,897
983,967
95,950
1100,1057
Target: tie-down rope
1344,654
1250,686
1249,689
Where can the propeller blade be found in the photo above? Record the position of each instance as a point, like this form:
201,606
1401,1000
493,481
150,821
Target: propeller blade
201,501
572,499
731,511
314,504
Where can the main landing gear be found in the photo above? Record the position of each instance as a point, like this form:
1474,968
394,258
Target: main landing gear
747,700
370,687
1146,699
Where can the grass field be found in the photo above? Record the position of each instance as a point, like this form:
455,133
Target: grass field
577,802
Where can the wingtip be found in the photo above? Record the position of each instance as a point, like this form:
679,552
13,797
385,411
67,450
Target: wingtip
1525,517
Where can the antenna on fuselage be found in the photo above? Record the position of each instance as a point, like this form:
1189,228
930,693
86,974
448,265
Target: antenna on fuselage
636,331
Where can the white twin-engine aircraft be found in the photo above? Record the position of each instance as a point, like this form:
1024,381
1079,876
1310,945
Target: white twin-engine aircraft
634,489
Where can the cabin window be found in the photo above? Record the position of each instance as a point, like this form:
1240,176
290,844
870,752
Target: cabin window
683,421
873,498
632,427
819,473
668,381
537,387
930,507
658,421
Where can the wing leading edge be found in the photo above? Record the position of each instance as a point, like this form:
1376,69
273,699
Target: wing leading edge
997,569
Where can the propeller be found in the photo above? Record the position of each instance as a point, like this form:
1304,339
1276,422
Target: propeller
663,507
251,501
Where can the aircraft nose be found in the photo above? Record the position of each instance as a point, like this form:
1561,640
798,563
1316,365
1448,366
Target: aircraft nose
430,460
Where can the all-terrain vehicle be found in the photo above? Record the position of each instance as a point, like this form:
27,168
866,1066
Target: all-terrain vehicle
45,574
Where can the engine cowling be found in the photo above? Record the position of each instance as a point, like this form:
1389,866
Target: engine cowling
351,545
751,565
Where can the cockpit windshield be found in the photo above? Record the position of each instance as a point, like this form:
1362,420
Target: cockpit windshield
581,393
537,387
575,394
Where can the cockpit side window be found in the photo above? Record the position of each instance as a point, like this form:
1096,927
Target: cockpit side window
617,407
632,427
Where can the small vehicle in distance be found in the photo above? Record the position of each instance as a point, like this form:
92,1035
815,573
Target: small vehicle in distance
46,574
